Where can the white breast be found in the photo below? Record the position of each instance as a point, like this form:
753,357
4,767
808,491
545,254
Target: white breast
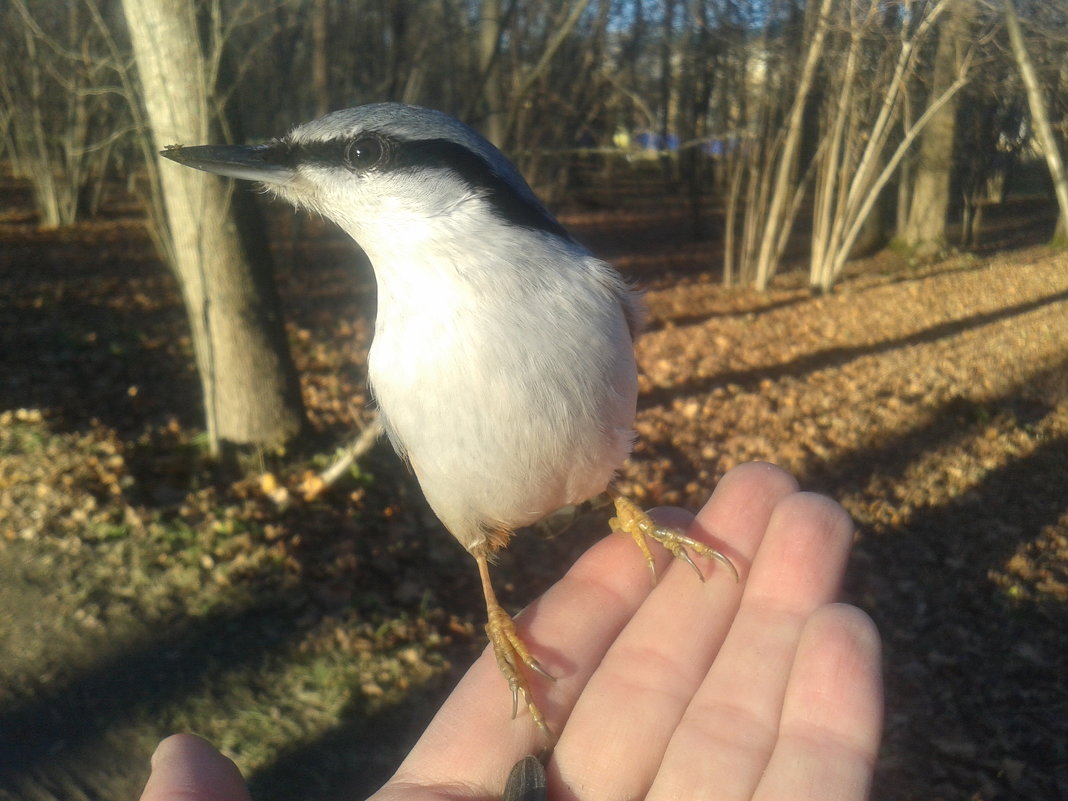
509,383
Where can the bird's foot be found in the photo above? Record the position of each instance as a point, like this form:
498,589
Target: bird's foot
511,653
632,520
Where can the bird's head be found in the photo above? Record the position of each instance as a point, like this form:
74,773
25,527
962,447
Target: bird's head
386,172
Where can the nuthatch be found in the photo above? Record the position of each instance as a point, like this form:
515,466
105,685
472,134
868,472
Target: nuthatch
502,361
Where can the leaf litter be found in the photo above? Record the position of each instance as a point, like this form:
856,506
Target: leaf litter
311,634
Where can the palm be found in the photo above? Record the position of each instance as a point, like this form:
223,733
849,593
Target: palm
763,689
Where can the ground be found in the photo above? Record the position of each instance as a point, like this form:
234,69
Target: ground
312,639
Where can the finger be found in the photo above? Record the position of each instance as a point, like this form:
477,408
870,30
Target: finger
727,734
187,768
633,702
473,741
747,496
832,715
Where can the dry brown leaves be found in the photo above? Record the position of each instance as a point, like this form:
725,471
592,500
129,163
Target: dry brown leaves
933,403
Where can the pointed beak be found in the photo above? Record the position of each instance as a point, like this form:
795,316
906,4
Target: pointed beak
249,162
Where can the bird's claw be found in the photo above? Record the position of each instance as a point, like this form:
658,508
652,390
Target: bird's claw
512,653
632,520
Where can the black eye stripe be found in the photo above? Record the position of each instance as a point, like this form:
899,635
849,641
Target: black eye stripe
416,154
508,203
332,152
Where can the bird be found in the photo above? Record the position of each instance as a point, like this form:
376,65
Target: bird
502,361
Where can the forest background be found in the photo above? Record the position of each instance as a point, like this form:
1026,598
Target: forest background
849,220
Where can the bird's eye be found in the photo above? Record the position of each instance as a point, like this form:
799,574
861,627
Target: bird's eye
364,152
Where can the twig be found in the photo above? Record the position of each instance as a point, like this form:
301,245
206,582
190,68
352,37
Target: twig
359,446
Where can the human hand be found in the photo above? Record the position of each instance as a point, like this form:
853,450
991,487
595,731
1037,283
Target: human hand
763,689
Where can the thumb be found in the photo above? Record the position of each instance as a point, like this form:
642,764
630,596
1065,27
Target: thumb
188,768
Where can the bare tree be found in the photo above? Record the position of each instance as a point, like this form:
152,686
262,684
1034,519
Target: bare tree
764,187
1039,119
491,29
924,233
991,135
853,164
785,191
250,390
318,17
700,68
64,114
551,39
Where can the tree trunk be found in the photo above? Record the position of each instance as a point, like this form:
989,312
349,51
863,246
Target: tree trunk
251,394
1039,120
851,159
320,76
561,29
779,218
925,229
490,30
